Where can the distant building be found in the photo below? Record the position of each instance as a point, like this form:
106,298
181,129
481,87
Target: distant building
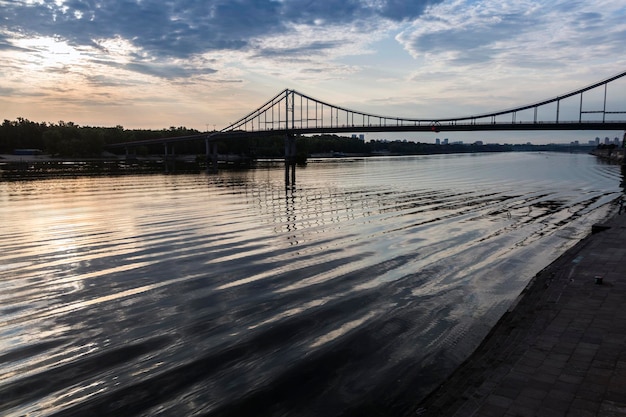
607,141
445,141
478,143
362,137
437,141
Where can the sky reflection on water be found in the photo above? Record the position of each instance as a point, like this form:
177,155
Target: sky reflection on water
367,282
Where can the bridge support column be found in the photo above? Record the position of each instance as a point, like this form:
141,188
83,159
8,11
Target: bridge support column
165,157
169,160
211,156
290,160
624,154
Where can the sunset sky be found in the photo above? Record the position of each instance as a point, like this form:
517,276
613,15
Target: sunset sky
205,63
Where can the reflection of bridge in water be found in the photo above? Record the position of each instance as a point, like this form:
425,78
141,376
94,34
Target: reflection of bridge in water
291,113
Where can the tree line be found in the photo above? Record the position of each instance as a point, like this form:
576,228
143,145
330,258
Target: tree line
67,139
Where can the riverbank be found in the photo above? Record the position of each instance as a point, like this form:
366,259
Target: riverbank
560,350
42,166
612,155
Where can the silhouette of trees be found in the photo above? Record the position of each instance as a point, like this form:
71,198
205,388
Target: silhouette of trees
71,140
21,133
67,139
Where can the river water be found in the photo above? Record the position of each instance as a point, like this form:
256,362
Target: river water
354,292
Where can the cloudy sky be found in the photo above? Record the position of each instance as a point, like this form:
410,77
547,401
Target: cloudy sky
205,63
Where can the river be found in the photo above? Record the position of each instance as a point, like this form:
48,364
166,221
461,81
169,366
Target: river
354,292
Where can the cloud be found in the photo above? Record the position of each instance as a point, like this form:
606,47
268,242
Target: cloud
5,91
6,44
181,28
107,81
176,39
305,49
167,71
468,34
522,33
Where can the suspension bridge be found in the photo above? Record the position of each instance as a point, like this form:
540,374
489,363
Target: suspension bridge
295,113
292,113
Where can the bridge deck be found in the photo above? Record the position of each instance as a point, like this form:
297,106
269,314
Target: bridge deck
452,127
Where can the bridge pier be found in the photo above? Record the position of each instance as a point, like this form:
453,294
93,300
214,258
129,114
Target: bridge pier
211,156
290,160
130,154
165,157
169,160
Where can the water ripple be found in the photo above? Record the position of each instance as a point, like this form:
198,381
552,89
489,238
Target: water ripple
354,292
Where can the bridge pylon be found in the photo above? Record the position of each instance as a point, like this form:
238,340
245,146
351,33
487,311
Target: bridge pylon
290,159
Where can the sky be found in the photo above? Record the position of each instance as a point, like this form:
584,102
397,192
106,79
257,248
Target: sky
202,64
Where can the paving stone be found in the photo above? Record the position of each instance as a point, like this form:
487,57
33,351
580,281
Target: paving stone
611,409
555,404
566,386
587,405
616,397
489,410
591,395
580,413
518,410
553,370
596,383
561,395
546,412
509,393
618,384
499,401
533,393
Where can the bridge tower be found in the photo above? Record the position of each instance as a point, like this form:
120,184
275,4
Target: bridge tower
290,140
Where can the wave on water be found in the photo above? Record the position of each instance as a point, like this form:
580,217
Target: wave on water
354,292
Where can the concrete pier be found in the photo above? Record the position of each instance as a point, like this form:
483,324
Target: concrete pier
211,155
561,350
290,160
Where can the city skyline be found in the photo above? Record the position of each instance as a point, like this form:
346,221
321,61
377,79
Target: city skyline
152,64
606,140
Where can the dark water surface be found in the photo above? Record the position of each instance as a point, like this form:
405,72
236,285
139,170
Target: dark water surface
353,293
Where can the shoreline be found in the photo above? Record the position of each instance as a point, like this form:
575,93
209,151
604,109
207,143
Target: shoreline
495,377
612,155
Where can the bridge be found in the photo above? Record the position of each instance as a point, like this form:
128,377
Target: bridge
292,113
295,113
